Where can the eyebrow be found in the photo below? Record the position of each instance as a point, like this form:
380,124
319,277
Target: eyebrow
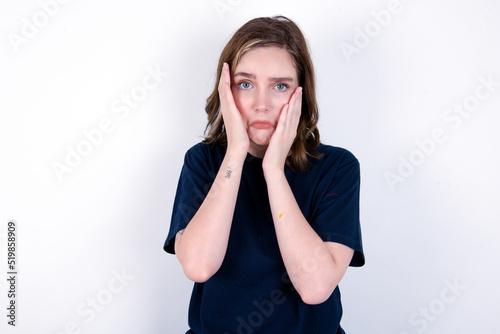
274,79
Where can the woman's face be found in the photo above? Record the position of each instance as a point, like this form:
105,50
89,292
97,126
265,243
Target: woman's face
263,82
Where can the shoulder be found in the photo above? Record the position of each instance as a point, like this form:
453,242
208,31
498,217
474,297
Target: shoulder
204,153
336,163
336,171
335,156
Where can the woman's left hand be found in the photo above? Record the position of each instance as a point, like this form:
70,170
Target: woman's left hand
284,135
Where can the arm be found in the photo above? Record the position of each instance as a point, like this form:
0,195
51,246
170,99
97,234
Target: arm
315,267
202,245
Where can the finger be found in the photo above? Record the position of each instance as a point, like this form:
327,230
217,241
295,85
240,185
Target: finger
296,97
225,87
227,81
295,107
225,78
283,116
228,75
298,103
222,79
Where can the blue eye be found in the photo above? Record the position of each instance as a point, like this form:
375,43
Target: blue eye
245,85
281,87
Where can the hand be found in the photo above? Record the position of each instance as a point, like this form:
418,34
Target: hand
236,132
284,135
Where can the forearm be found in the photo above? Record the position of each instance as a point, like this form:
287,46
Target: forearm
202,245
308,261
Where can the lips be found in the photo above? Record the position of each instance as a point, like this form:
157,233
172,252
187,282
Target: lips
260,124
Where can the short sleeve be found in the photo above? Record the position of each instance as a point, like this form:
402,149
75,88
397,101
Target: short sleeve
194,183
337,216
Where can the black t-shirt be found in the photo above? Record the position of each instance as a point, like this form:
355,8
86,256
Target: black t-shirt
251,292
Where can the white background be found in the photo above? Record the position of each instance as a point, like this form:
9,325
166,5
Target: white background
111,212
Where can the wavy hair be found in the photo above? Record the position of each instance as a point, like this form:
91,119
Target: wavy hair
264,32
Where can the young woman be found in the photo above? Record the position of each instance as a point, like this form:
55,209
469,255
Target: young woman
266,218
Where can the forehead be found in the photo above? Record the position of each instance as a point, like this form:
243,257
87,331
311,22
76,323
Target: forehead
269,61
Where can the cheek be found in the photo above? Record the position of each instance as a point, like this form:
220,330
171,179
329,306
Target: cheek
242,102
280,100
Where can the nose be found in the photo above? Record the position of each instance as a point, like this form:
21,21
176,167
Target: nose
262,100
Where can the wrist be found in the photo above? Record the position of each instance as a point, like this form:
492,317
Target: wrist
236,153
273,173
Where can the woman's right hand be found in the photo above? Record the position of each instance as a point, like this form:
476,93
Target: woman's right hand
236,132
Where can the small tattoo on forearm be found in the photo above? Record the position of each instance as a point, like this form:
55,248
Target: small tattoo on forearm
228,173
281,215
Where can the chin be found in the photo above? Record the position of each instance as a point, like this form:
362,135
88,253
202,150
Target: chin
262,138
260,143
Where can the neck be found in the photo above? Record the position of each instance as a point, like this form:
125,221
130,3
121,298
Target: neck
257,151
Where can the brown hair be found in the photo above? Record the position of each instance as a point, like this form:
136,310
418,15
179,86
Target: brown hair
281,32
